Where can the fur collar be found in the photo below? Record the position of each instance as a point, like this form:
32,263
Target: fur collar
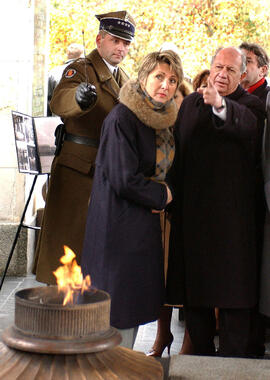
130,97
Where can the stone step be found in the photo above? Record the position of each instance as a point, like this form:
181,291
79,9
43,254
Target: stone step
191,367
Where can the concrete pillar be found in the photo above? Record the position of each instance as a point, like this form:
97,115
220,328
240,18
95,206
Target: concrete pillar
24,47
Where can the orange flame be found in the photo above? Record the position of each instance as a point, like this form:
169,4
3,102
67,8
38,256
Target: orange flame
69,277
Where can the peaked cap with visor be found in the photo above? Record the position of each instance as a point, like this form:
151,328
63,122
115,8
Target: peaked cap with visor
119,24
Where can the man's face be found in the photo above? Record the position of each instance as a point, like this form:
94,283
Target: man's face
112,49
254,72
225,71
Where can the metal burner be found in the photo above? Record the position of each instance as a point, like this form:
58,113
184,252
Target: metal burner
44,325
71,341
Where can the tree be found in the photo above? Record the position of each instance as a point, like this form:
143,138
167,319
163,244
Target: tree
196,27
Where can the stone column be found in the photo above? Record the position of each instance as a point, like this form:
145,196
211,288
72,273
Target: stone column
24,42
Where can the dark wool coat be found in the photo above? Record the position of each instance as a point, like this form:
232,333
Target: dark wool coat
123,246
262,92
265,267
72,171
213,259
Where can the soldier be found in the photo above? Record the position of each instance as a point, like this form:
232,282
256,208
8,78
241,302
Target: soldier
87,92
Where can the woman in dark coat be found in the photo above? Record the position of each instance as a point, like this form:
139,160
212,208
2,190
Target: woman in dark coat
123,243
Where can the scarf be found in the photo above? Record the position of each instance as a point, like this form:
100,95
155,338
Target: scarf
158,116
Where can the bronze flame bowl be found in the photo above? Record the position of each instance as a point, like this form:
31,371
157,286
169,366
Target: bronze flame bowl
50,341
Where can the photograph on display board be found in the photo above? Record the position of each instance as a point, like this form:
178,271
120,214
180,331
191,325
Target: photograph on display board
44,130
28,161
34,140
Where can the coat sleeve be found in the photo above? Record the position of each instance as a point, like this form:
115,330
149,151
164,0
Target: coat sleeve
119,158
266,153
63,102
243,120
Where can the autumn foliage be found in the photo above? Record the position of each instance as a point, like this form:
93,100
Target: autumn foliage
196,27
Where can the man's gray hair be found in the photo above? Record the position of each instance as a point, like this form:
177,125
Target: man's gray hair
243,66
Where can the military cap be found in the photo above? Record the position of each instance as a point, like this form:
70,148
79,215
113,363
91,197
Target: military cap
119,24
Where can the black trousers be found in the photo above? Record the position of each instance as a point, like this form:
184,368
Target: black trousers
257,335
234,331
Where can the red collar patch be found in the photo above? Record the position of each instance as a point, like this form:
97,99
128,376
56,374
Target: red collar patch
70,73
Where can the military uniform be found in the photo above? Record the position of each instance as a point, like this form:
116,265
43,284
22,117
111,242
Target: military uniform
72,170
54,78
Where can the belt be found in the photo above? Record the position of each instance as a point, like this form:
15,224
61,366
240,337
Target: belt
82,140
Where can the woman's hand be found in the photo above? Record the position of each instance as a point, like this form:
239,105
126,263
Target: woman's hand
169,195
169,199
157,211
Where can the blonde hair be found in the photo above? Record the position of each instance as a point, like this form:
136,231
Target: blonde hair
150,62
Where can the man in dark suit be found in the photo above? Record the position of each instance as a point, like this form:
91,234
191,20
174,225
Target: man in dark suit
87,92
255,83
213,249
257,69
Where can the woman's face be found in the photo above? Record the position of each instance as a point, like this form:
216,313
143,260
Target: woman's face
161,83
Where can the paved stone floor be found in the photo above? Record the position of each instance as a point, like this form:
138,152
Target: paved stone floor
10,286
146,333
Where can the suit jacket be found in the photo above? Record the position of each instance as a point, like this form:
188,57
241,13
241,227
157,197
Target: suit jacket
266,152
265,267
213,251
262,92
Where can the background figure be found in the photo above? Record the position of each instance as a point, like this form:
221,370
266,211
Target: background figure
123,247
74,51
264,305
213,255
85,95
255,83
183,91
200,80
257,69
164,336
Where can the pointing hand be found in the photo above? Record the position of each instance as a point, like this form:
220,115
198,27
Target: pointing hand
85,95
211,95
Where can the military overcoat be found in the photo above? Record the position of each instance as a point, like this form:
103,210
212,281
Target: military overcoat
72,170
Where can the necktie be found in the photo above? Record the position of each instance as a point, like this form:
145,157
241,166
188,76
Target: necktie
116,76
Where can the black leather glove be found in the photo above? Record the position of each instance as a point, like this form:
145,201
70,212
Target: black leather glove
85,95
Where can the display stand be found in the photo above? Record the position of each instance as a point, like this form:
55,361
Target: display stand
35,146
21,224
